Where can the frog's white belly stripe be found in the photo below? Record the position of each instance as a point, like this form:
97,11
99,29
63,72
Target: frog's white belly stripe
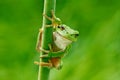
60,41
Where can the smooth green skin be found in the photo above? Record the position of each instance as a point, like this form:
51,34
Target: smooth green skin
66,32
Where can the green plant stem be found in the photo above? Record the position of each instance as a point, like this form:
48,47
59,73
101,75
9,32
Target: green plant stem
46,37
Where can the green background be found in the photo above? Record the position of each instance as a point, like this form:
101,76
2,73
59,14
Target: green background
95,56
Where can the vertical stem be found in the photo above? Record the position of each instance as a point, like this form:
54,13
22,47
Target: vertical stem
46,37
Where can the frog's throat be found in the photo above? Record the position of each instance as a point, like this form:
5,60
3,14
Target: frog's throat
60,41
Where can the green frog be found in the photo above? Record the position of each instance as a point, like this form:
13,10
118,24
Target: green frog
63,36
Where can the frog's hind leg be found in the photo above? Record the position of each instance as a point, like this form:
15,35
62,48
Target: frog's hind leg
39,40
44,64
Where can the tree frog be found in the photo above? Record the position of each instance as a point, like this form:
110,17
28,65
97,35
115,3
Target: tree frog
63,36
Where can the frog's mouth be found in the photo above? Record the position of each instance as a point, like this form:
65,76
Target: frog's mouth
71,37
63,36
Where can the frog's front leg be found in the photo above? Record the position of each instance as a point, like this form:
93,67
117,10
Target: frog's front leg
55,21
49,18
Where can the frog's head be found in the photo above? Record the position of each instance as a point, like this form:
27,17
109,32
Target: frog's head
67,32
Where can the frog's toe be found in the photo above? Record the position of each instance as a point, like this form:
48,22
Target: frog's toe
60,66
44,56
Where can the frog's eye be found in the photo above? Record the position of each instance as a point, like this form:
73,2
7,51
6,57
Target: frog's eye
58,26
62,28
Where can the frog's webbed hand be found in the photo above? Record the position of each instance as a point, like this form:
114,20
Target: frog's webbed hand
55,21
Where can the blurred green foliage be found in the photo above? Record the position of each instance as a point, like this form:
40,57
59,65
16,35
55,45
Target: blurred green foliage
95,56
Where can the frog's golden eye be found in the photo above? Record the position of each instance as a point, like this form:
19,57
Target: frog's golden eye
62,28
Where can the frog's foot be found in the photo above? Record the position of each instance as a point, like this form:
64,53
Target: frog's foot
44,64
43,50
59,66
